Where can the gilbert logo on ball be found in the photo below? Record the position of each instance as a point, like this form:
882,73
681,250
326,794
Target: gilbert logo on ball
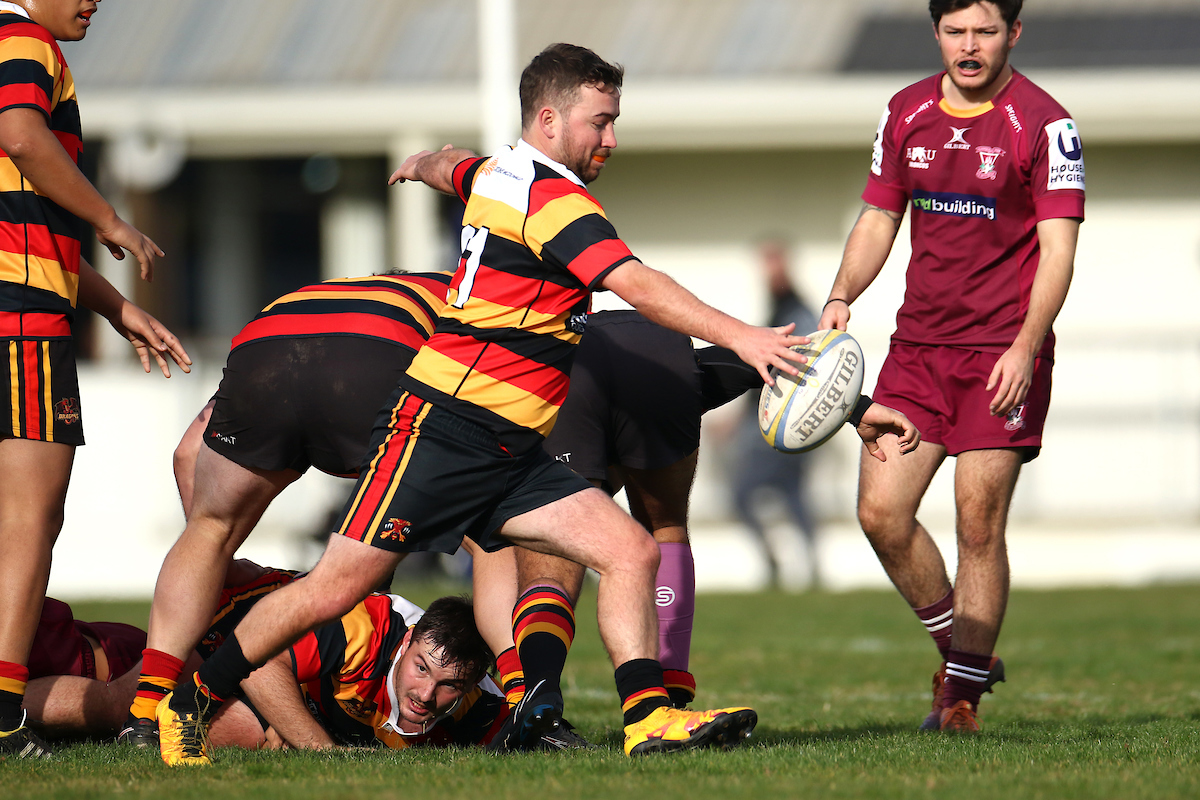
803,411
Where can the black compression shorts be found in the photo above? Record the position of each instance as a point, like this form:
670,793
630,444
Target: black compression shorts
637,393
291,403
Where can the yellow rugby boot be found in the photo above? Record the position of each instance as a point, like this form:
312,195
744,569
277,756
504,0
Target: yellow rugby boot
668,729
182,737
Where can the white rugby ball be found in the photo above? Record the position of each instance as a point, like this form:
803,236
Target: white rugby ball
802,411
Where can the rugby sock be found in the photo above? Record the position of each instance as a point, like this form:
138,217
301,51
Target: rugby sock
543,629
13,678
216,681
640,684
675,600
512,676
938,619
681,687
160,674
966,674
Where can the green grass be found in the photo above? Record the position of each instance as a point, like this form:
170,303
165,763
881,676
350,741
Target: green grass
1102,702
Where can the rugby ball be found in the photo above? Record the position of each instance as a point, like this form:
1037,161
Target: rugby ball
803,411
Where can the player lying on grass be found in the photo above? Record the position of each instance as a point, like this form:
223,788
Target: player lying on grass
632,419
385,674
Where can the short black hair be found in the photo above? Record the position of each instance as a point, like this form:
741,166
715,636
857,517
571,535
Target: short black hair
1009,9
448,626
555,75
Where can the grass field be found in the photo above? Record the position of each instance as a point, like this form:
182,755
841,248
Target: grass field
1102,702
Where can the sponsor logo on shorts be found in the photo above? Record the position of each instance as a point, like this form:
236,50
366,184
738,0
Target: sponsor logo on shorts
664,596
1066,156
919,157
223,437
563,457
955,205
835,395
987,162
577,323
66,411
957,140
395,530
1016,419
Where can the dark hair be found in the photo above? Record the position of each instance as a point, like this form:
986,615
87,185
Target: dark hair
555,75
448,626
1009,9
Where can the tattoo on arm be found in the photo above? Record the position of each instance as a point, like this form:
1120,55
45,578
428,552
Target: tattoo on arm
896,218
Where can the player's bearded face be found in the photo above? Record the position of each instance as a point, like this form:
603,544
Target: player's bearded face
426,685
974,44
587,136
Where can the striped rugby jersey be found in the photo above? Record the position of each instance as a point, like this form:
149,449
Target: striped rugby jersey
39,240
345,672
400,309
535,245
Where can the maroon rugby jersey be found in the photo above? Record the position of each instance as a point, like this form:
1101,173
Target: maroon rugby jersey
395,308
979,182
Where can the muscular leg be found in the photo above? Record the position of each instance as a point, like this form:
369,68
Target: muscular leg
984,481
184,459
33,491
889,494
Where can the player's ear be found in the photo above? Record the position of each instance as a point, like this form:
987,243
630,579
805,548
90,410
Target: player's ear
1014,33
548,120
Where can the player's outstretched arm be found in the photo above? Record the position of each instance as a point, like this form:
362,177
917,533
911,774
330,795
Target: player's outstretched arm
1013,373
276,694
37,153
879,420
435,170
664,301
146,334
867,249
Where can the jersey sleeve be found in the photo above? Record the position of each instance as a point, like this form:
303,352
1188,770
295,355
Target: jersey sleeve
29,69
464,174
1057,175
565,225
884,186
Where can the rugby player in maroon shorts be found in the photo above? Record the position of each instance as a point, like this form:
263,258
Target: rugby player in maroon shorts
993,168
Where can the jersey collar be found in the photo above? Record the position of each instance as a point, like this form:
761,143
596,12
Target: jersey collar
978,111
527,150
13,8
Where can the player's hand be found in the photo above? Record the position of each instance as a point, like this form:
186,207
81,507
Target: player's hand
121,236
763,348
834,316
408,170
881,420
1011,378
273,741
149,336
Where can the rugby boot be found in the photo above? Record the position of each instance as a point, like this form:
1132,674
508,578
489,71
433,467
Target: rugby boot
141,733
959,718
539,713
933,722
668,729
182,735
23,743
564,737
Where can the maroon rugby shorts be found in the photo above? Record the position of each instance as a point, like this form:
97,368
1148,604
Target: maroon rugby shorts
943,392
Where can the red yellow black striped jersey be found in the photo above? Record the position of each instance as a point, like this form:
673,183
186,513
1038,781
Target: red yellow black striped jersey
400,309
535,245
39,240
345,671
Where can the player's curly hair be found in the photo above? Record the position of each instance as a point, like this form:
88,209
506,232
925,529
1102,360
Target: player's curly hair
555,75
448,626
1009,9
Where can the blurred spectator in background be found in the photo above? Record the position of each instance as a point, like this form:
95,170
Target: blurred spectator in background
761,473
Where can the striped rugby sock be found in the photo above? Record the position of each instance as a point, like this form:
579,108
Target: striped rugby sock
13,678
966,674
640,684
681,686
938,619
160,674
512,676
543,629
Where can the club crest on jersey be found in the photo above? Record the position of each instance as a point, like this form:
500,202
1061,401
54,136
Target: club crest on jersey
1016,419
957,140
919,157
987,162
395,530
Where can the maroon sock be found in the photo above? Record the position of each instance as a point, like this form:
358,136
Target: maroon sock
966,676
938,619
